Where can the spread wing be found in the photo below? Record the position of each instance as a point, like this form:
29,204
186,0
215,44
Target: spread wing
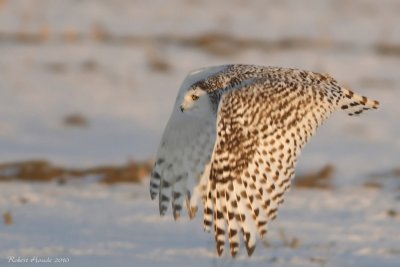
261,129
241,163
182,157
184,151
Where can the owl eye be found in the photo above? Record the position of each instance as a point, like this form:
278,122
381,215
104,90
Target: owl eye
195,97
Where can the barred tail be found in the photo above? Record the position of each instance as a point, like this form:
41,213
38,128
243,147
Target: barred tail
355,104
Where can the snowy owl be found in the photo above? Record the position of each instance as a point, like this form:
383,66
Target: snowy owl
233,140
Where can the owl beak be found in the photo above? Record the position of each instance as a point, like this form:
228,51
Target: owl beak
182,108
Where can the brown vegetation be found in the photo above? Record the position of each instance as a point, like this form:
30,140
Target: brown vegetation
158,63
387,49
75,120
89,65
372,185
291,243
383,179
320,179
131,173
34,170
392,213
43,171
216,43
7,218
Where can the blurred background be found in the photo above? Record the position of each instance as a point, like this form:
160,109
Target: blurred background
86,88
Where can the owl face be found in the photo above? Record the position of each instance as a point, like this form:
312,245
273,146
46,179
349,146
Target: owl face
195,101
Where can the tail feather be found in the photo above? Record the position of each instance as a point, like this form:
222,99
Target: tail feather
355,104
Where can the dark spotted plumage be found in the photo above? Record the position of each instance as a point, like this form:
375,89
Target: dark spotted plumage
239,157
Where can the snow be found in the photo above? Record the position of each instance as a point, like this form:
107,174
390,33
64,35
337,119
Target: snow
114,83
97,225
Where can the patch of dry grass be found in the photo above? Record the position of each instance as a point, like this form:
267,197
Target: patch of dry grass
130,173
388,49
8,218
390,179
158,63
75,120
33,170
392,213
44,171
291,243
56,67
89,65
321,179
216,43
373,185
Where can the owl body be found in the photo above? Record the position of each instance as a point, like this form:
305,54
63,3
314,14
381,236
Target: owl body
233,141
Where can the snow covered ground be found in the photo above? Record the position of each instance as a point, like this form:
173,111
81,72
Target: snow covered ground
119,63
95,225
